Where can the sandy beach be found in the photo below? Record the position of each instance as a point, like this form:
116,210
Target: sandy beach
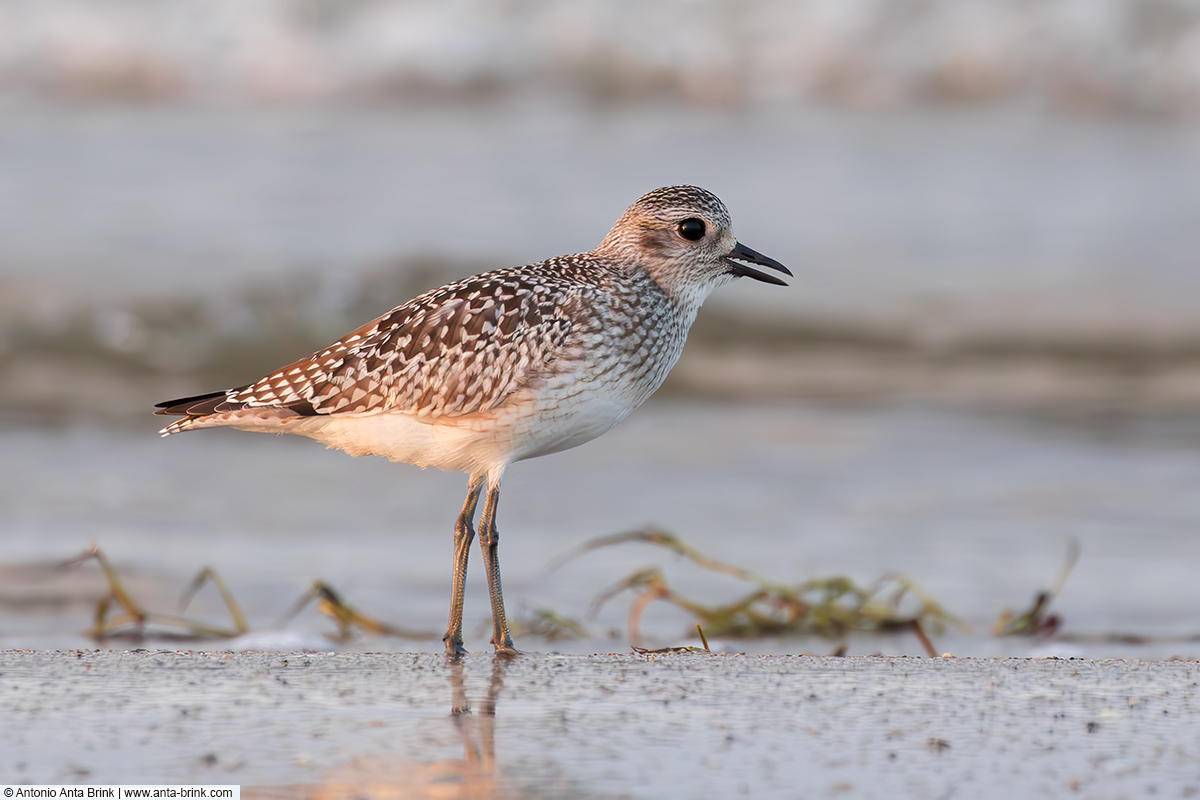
292,725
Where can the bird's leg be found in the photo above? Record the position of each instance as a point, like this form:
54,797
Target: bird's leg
463,535
489,543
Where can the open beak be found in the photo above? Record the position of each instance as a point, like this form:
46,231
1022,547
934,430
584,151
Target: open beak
742,254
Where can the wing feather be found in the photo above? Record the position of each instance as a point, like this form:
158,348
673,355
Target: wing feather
457,350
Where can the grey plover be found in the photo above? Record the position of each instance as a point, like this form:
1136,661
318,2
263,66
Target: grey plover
506,365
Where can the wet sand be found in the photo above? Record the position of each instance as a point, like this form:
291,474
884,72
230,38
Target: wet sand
384,725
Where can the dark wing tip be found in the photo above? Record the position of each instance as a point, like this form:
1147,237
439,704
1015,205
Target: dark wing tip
204,404
197,405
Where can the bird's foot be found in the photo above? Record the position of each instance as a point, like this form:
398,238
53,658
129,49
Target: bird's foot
506,649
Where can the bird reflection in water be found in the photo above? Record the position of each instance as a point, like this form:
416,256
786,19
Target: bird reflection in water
473,777
478,732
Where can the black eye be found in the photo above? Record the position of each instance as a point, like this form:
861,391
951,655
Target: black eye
692,229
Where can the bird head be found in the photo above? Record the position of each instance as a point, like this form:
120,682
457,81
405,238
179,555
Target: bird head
681,236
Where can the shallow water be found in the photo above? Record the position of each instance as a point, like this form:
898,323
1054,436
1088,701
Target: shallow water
979,510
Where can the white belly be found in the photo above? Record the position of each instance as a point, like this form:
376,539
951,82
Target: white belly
475,443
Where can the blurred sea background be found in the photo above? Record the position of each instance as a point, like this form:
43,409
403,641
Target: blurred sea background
991,347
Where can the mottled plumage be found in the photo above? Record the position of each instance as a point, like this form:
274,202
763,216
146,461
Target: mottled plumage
507,365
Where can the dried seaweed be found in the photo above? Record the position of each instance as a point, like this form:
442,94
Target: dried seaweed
348,619
134,622
546,624
1037,620
828,607
119,616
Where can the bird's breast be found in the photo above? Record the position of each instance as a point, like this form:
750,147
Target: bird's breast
597,381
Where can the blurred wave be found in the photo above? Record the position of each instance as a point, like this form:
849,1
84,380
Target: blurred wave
70,355
1118,56
62,358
